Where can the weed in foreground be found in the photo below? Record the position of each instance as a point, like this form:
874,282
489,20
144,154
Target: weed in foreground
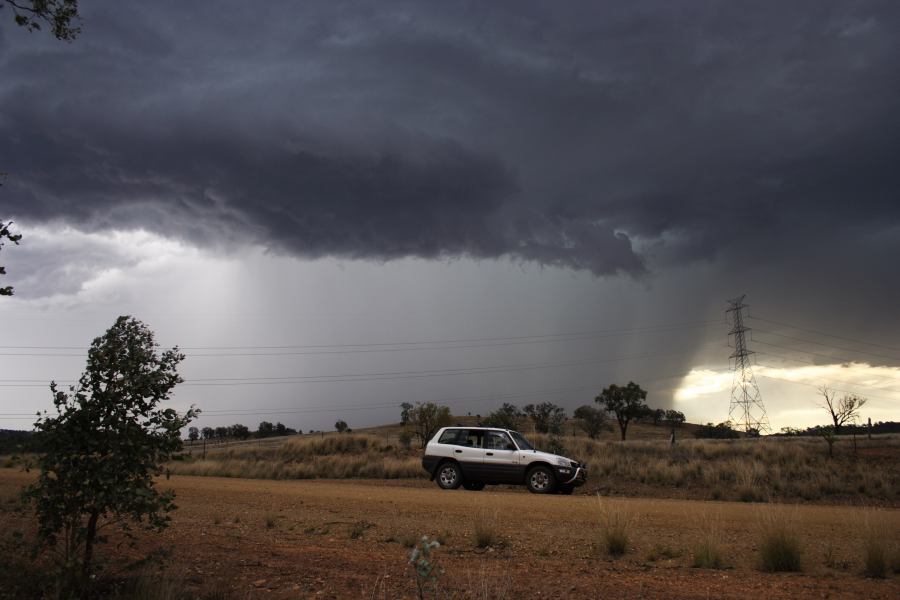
615,521
831,560
425,567
358,528
779,548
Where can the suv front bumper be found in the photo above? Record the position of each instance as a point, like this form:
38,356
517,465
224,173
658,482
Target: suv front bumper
574,476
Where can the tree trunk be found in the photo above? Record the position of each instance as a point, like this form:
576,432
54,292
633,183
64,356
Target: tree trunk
88,553
624,428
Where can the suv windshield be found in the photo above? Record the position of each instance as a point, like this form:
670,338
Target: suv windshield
521,441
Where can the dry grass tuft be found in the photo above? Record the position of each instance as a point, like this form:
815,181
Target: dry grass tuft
875,546
615,520
780,548
485,530
708,553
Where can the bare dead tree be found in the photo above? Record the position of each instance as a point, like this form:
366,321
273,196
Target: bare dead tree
841,410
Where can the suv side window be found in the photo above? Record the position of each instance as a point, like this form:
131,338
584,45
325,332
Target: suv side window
496,440
455,437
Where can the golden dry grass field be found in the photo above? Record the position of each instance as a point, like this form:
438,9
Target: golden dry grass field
239,538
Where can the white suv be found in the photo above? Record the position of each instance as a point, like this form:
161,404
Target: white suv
477,456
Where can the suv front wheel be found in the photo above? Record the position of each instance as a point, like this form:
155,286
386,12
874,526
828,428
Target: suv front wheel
540,480
449,476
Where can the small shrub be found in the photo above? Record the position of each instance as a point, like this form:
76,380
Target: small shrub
659,552
614,523
779,545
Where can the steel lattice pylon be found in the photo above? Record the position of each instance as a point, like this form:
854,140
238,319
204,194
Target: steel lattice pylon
746,408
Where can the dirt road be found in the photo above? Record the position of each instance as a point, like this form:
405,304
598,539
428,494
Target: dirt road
346,539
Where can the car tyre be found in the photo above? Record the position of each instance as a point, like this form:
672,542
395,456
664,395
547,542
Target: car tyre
473,486
449,476
540,480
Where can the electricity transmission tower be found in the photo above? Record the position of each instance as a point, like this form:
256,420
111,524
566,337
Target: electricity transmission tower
746,407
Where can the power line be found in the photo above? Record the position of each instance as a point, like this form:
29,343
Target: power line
364,406
831,335
447,344
833,346
817,385
391,375
820,355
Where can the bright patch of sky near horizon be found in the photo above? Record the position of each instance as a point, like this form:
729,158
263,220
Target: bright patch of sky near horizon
589,332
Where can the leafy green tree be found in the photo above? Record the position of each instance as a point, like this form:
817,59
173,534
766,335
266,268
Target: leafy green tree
591,420
657,415
222,433
547,417
241,432
208,433
14,238
341,426
426,418
405,407
265,429
625,402
107,442
506,417
193,434
59,15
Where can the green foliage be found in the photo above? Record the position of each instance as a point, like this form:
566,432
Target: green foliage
547,417
265,430
426,418
591,420
107,442
425,567
505,417
341,426
722,431
674,418
405,407
625,402
58,14
405,438
14,238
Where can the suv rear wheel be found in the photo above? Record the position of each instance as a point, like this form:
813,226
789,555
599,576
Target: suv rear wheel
449,476
540,480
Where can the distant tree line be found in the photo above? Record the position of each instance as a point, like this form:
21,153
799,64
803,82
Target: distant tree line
626,404
239,432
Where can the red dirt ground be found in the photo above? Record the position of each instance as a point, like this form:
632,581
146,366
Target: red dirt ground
345,539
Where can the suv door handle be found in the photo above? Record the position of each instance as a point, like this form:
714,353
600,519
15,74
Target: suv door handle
458,451
490,453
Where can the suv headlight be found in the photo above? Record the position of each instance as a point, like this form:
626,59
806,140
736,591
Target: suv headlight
563,462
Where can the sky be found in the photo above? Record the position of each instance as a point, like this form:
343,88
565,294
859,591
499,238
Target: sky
336,207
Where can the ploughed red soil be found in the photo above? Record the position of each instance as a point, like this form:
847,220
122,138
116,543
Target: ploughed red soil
346,539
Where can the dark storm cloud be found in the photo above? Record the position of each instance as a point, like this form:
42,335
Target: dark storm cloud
608,137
